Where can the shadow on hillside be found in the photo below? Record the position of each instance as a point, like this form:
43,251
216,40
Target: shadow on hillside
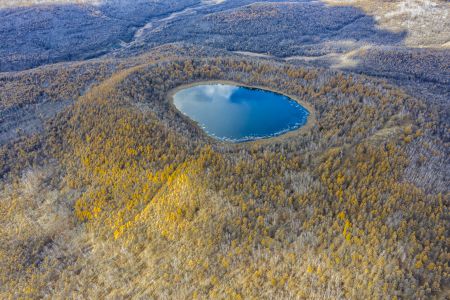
280,29
44,34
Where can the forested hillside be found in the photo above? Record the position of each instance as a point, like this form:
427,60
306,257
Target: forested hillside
120,196
108,190
57,31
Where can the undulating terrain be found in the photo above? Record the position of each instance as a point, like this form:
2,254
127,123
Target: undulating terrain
107,191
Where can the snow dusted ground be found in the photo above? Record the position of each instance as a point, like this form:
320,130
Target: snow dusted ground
426,21
21,3
42,34
39,32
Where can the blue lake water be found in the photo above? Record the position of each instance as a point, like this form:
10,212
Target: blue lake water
237,114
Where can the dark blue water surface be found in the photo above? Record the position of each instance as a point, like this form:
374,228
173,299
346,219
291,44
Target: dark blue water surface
237,114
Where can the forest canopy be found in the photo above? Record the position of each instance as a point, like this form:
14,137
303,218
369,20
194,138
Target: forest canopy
119,196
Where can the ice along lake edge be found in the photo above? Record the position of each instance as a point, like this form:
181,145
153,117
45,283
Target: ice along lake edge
233,112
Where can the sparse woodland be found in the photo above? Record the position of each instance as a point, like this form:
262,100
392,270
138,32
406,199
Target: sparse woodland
121,197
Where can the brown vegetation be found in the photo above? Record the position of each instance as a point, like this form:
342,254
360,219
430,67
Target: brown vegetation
126,199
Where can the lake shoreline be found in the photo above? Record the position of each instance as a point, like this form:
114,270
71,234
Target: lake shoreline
310,121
